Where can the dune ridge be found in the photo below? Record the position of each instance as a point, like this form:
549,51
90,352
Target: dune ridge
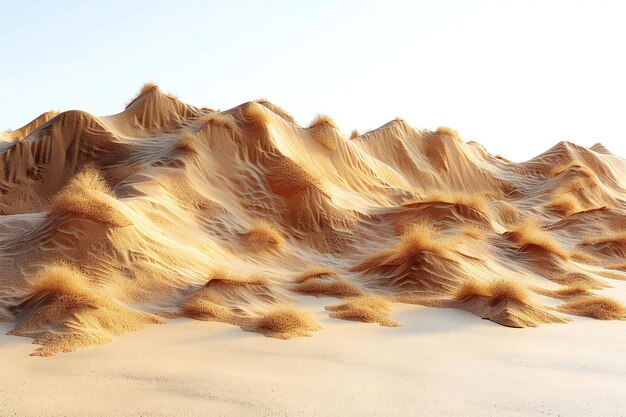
108,224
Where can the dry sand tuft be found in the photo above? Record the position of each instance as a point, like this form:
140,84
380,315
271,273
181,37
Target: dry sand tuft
88,196
285,322
368,309
322,281
264,236
497,291
597,307
64,310
530,232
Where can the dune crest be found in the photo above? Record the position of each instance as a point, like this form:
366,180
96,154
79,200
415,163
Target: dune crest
108,224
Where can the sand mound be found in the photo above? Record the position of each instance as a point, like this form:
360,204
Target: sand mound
213,303
497,291
574,279
187,145
565,292
470,289
422,261
611,246
416,238
324,131
368,309
64,310
287,179
264,236
213,215
152,110
88,196
597,307
277,110
531,235
203,308
325,282
504,302
503,290
476,202
284,323
227,297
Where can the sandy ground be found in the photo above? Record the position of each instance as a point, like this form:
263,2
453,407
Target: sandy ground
440,362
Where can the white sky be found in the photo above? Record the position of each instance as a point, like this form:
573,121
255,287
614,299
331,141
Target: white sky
516,76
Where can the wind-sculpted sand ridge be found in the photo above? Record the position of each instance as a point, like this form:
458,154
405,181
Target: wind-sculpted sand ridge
167,210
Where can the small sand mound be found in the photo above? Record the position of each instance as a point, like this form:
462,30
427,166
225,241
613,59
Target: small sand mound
573,279
201,307
226,297
497,291
277,110
284,322
416,238
471,289
89,197
597,307
145,89
444,130
286,178
565,292
616,238
187,145
561,168
223,276
565,203
504,302
327,283
476,202
515,314
530,233
368,309
323,120
221,120
504,290
612,245
323,130
315,271
64,310
264,236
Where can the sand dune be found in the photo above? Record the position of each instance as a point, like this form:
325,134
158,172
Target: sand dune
166,210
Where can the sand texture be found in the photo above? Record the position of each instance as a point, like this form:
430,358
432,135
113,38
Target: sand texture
441,362
168,211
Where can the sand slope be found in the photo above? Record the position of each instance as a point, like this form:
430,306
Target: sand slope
166,210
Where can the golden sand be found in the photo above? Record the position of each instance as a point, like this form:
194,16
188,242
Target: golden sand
166,210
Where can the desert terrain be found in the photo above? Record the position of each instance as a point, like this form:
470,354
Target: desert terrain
180,260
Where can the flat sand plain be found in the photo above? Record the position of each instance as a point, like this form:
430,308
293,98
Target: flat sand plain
441,362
